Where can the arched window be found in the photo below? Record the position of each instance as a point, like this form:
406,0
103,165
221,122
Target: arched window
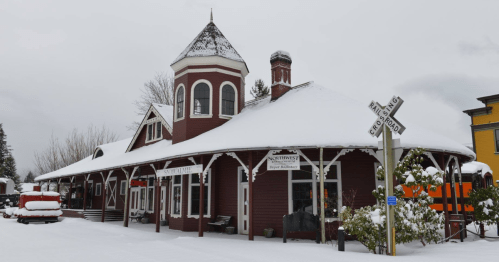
99,153
228,100
180,102
201,99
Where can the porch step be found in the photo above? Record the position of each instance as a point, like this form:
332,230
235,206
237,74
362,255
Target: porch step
96,215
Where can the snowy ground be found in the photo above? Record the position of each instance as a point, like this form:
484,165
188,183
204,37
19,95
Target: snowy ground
76,239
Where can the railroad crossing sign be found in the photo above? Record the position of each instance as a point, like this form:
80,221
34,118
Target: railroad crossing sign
385,116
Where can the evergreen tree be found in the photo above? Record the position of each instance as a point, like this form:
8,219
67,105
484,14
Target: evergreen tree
259,89
30,178
414,219
485,202
4,149
10,171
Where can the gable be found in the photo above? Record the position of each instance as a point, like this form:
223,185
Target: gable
152,118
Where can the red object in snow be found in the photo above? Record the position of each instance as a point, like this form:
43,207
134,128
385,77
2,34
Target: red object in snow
138,183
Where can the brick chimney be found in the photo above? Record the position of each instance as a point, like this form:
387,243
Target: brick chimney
280,62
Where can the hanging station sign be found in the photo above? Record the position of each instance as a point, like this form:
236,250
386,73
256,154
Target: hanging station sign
195,169
134,182
283,162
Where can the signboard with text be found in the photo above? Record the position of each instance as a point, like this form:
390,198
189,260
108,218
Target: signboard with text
283,162
184,170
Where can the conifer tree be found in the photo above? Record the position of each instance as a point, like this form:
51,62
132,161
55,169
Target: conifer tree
414,219
485,202
30,178
259,89
10,171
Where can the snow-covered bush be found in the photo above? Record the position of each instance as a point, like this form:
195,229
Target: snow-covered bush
414,219
485,202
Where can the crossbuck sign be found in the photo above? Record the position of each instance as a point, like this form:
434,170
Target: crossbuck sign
385,117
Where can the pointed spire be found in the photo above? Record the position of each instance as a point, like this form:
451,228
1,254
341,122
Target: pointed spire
211,16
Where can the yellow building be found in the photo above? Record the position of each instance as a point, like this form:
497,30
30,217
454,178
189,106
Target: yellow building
485,132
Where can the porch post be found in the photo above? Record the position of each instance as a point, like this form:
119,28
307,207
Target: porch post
461,190
444,195
70,192
104,191
323,215
85,194
201,201
127,201
250,200
453,189
157,205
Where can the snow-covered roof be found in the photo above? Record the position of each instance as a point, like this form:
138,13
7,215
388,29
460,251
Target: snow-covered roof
210,42
166,111
280,54
4,180
476,167
309,116
27,187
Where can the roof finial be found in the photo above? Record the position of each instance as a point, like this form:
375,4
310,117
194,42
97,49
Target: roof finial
211,16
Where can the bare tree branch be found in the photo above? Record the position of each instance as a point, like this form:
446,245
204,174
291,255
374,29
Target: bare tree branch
75,147
159,90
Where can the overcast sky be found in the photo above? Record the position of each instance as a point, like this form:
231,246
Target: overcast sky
67,64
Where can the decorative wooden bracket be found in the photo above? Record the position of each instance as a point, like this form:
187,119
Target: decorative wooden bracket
232,154
255,169
192,160
430,156
372,153
298,151
341,153
205,172
133,174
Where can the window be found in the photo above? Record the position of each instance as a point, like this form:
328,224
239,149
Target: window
497,140
176,196
194,195
180,102
98,189
228,100
158,130
149,132
150,193
123,187
99,153
202,99
304,190
142,199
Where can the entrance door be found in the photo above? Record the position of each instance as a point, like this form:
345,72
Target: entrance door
163,203
243,203
111,193
134,199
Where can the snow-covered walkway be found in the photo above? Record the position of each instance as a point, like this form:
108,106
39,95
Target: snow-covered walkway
76,240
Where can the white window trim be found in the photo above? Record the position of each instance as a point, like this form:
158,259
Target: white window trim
98,185
172,206
145,199
153,194
153,122
210,114
315,181
220,115
123,186
156,130
208,183
183,106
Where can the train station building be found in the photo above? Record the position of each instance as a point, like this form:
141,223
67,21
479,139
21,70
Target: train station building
213,153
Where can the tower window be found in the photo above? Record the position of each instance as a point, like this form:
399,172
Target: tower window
201,99
180,102
228,100
149,131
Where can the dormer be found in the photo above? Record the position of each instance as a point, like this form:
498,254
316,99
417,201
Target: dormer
156,126
209,84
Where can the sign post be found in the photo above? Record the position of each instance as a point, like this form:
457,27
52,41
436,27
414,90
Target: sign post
387,124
